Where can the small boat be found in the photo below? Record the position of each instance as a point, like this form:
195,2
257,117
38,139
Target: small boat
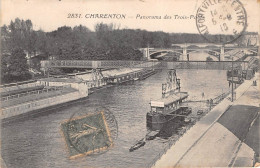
138,145
151,135
135,79
199,112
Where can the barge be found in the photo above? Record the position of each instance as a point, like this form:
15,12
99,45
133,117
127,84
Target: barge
55,92
134,75
170,107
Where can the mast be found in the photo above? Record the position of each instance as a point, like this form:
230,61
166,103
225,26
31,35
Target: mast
172,84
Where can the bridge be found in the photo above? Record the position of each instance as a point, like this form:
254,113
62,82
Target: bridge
151,64
185,49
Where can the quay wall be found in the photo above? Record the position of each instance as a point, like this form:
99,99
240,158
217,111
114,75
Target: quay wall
39,104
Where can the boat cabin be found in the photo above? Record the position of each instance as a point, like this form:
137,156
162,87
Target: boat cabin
169,104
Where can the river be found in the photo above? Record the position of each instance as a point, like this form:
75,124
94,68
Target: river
37,141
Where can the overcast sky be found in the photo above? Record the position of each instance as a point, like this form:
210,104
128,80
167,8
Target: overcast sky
48,15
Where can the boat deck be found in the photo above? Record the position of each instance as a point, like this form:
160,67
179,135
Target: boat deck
33,97
20,90
178,96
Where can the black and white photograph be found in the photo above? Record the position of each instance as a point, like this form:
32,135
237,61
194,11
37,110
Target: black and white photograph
129,83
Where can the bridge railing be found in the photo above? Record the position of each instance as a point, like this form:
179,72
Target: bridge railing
219,65
98,64
222,65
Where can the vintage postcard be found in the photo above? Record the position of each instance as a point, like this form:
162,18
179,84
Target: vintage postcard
129,83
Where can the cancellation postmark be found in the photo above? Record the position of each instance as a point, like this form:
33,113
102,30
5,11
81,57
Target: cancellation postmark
221,21
92,133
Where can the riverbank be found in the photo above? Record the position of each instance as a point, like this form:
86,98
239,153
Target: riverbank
198,146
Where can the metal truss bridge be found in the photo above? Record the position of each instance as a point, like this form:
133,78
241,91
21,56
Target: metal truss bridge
107,64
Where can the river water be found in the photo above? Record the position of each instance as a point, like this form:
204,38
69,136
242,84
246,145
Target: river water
37,141
201,56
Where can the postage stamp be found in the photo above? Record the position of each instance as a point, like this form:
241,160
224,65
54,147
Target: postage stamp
221,21
89,134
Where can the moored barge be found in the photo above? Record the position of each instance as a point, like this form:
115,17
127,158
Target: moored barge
170,107
131,76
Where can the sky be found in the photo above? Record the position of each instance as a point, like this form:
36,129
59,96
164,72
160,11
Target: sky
48,15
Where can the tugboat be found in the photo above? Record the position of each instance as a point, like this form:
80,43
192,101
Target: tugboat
170,107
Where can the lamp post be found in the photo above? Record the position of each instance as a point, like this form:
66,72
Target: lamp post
232,89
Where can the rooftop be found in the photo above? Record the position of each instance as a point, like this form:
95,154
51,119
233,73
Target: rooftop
65,80
169,99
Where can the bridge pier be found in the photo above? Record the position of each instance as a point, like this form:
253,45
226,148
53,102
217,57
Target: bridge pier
258,50
146,53
184,54
222,53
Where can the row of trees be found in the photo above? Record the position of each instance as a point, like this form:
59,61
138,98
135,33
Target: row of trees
20,43
106,43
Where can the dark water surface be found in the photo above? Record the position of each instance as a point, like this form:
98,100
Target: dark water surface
37,141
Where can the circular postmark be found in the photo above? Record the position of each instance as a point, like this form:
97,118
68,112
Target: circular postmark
221,21
90,132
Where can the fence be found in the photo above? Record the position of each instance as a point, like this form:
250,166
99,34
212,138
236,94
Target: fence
17,83
18,87
219,98
45,90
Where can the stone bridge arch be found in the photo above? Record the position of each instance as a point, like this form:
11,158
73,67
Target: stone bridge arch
153,55
184,49
216,53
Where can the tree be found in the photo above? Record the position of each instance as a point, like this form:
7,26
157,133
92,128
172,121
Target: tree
15,67
209,58
4,67
17,39
18,62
